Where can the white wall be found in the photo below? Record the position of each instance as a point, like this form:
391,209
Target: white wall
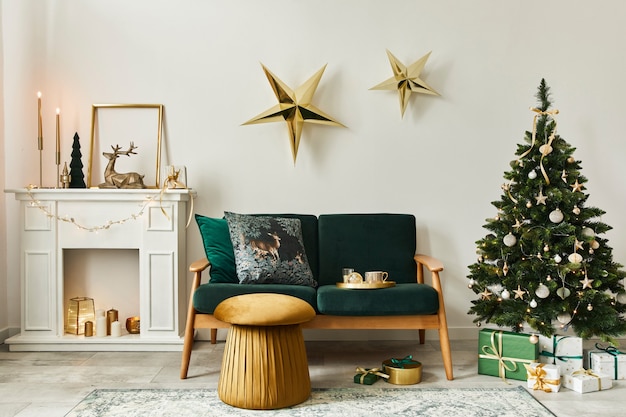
442,162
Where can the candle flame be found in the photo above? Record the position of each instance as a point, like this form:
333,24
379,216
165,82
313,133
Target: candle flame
38,94
58,110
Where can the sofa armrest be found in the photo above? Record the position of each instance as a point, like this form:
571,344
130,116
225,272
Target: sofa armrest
199,265
434,265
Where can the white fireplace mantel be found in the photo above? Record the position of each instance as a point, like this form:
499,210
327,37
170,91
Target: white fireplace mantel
152,222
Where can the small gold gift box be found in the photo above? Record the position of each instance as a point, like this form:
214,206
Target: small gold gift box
409,373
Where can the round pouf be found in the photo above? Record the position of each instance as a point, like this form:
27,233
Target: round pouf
265,364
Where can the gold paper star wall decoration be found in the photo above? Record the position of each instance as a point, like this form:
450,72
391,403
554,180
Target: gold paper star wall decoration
406,80
294,108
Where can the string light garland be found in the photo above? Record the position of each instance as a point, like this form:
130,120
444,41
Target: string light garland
36,203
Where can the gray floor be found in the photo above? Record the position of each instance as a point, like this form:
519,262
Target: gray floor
51,383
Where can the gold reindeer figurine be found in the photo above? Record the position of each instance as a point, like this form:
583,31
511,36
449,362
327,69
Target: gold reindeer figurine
114,179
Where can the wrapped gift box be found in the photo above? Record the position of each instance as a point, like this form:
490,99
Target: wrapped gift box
367,376
543,377
564,351
608,361
584,380
504,354
404,371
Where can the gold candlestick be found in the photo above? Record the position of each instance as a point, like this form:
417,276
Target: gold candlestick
39,138
58,150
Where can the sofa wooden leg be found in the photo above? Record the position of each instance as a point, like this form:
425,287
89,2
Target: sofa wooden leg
446,353
422,334
188,343
213,336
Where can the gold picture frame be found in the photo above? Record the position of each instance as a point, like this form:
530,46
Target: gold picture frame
128,127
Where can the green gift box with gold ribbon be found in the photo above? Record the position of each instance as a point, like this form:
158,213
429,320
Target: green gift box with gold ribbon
503,354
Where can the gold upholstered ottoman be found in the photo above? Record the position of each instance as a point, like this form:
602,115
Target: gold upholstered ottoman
265,364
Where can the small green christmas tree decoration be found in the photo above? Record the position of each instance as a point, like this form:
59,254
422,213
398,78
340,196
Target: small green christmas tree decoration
76,165
544,262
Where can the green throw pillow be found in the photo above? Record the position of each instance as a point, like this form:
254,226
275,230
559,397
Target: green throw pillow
269,250
218,248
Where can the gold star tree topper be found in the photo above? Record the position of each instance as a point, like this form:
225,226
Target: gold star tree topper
406,80
294,108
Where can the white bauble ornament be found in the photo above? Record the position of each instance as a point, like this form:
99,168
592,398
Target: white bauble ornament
505,294
575,258
542,291
556,216
509,240
564,318
571,160
595,244
621,298
546,248
532,174
534,339
529,204
557,259
545,149
589,307
588,232
563,293
576,210
533,303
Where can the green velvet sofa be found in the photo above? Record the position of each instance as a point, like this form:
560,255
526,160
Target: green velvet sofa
365,242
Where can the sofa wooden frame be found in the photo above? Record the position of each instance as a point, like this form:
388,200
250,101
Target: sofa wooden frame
196,320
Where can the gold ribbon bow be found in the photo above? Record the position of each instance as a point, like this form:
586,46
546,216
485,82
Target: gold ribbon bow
548,146
495,352
541,383
590,373
171,182
374,371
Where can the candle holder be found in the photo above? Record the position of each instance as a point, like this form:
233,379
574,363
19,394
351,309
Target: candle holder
79,311
132,325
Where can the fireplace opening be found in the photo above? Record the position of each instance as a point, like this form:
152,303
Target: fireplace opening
109,276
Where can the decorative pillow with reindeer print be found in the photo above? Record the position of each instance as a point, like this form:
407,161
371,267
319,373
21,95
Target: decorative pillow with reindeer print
269,250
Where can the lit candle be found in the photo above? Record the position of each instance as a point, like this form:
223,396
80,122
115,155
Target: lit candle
39,130
58,139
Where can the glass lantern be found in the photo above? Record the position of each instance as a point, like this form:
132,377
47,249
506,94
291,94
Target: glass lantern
79,311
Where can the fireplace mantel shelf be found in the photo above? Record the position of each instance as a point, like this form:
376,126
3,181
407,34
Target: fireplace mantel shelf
157,231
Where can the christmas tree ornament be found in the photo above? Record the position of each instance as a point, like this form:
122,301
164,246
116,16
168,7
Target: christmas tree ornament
586,282
575,258
471,283
541,199
589,307
406,80
505,294
578,245
588,232
545,149
532,174
546,248
621,298
595,244
564,318
505,269
556,216
533,303
519,293
577,186
529,204
571,160
564,176
576,210
548,278
542,291
557,259
509,240
534,339
563,293
294,108
486,295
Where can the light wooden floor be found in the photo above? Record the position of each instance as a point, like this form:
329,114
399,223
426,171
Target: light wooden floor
51,383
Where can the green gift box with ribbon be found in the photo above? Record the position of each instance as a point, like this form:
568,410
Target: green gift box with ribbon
367,376
503,354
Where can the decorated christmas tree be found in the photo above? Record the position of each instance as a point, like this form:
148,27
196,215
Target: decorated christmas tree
76,165
545,263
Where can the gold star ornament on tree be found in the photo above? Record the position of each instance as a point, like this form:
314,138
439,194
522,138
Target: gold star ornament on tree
294,108
406,80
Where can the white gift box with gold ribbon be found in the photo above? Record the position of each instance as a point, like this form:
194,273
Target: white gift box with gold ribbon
543,377
584,380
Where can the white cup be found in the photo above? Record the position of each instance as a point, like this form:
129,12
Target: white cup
373,277
346,274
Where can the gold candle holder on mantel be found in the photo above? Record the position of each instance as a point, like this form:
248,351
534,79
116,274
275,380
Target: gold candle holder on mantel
133,325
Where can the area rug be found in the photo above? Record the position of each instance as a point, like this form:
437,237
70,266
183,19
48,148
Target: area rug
379,402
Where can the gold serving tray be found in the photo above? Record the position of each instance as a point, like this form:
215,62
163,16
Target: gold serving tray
366,285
